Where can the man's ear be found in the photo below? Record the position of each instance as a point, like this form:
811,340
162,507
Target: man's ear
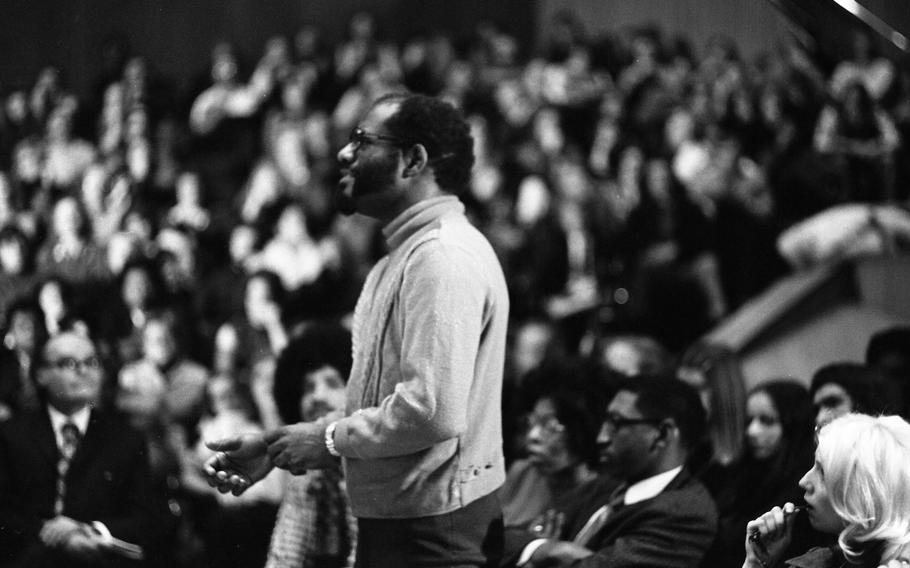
415,160
666,432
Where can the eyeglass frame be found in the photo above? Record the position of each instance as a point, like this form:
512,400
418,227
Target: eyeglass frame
358,137
92,363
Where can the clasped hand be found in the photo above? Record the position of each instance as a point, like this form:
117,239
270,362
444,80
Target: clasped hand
76,538
241,461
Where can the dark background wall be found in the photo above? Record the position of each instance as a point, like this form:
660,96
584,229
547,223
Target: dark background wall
177,35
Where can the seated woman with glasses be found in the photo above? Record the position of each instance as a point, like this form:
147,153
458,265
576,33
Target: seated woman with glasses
561,450
857,489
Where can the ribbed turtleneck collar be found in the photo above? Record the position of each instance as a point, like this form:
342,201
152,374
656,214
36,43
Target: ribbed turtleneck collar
418,216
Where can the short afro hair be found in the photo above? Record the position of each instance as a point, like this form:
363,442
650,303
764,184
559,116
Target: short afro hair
441,129
320,344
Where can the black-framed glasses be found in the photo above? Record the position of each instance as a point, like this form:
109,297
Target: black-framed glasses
72,364
616,422
360,137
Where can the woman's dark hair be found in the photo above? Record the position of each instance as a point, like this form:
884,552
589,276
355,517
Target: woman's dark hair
320,344
28,306
582,422
441,129
793,404
756,482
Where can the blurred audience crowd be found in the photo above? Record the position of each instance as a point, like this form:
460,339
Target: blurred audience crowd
635,186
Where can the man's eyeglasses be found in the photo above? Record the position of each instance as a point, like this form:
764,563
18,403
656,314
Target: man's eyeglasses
549,424
73,364
360,137
616,422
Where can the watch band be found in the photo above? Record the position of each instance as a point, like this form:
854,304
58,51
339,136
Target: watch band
330,439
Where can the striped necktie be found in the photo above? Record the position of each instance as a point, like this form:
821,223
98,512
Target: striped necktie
70,436
600,516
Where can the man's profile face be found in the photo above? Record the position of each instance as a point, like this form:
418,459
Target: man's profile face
368,168
625,448
71,373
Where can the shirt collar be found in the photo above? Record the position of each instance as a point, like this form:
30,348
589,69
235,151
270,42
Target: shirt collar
418,216
650,487
80,418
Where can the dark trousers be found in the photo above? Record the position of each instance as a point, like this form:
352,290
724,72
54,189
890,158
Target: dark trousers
470,537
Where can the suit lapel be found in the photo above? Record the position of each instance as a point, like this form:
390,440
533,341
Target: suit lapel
619,516
588,502
45,440
92,440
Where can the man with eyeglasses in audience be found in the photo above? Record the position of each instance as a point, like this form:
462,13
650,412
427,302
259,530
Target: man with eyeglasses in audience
421,435
645,509
74,480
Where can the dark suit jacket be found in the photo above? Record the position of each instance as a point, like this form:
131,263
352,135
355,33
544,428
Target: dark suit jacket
671,530
108,481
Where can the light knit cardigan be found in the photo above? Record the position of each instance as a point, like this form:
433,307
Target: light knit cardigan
423,433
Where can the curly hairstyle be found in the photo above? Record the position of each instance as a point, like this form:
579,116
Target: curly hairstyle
581,421
319,345
441,129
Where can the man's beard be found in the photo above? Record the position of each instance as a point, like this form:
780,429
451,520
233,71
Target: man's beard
371,178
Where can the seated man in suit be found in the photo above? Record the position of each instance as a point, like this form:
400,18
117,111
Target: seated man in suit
74,481
646,509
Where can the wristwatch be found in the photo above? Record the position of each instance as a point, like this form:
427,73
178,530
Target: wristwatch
330,439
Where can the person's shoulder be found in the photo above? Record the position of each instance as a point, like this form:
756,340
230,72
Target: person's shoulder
689,494
596,489
454,237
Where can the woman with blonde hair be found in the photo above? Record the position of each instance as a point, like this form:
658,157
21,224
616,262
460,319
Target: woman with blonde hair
858,488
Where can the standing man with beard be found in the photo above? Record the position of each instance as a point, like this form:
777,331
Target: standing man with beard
646,509
420,439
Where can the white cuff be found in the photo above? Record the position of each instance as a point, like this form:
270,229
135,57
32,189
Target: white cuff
529,551
103,531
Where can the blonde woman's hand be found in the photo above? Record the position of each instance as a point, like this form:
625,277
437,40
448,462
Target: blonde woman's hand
768,536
